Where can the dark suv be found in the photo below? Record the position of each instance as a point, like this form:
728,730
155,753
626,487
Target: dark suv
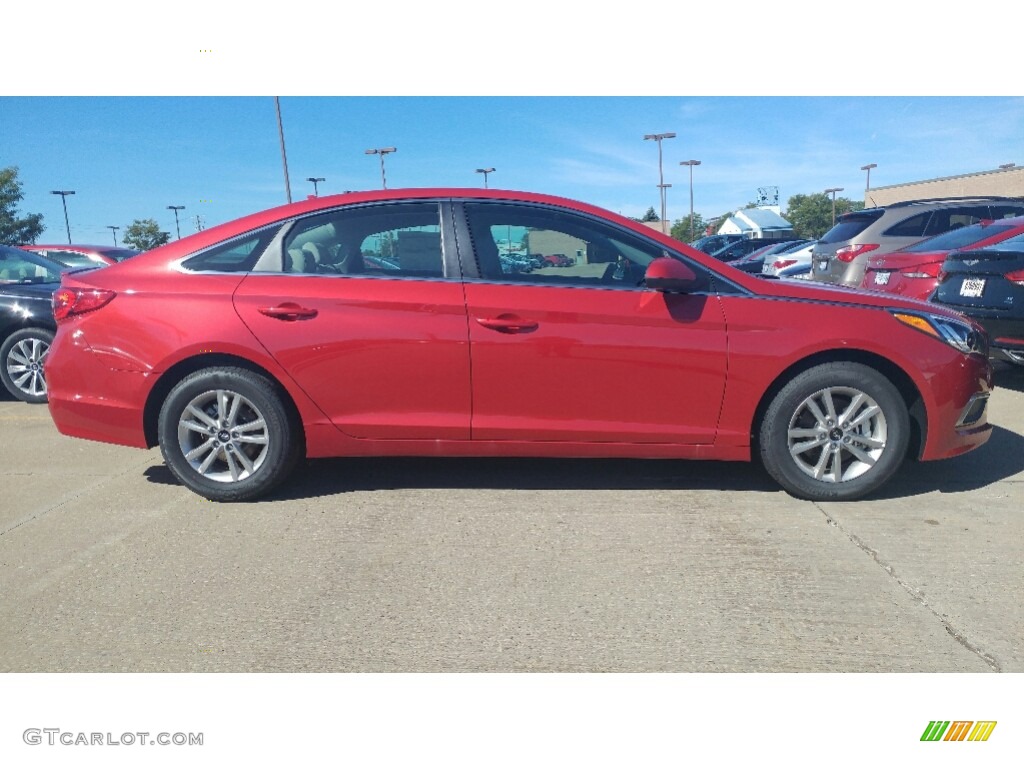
841,255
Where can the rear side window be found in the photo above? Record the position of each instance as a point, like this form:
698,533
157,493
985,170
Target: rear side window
912,227
391,240
849,226
234,256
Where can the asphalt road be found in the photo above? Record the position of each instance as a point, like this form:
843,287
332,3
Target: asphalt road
507,565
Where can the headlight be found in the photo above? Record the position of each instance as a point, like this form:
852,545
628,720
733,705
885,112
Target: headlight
957,333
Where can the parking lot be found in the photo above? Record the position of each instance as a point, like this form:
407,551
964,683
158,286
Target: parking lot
445,565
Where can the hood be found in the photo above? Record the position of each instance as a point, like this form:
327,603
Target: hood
841,294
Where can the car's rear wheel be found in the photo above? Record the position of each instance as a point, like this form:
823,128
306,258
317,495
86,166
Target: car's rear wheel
227,435
835,432
23,355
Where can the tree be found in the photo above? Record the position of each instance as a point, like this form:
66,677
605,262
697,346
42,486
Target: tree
145,234
681,228
651,215
15,230
811,215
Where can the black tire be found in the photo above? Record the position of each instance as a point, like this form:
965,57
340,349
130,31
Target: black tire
22,356
226,434
813,459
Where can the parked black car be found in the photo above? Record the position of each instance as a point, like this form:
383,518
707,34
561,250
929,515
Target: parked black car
27,327
744,247
987,285
712,243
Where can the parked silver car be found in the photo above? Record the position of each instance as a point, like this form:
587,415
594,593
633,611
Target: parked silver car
841,255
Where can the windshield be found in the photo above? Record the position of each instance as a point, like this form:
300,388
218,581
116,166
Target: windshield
957,238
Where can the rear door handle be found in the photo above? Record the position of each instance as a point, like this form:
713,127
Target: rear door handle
289,312
508,324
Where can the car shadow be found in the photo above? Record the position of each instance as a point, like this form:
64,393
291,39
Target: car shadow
1008,376
1001,457
326,477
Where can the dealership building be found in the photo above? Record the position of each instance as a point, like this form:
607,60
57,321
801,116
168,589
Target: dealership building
1004,182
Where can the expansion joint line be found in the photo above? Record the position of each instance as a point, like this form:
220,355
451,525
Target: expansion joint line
914,593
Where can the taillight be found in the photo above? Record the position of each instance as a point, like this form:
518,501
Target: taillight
850,252
1017,276
783,263
928,270
76,301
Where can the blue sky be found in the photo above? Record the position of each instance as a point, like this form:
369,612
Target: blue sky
131,157
174,105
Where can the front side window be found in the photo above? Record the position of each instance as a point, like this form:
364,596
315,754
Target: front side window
397,240
1006,211
523,243
946,219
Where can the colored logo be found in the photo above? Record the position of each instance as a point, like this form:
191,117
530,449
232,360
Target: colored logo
958,730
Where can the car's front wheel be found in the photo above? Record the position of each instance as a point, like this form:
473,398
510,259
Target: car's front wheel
227,435
23,355
835,432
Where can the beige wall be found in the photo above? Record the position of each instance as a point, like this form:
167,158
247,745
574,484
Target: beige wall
1007,183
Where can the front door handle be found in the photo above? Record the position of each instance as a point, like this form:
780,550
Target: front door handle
508,324
289,312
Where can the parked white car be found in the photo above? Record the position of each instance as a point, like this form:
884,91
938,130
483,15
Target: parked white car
795,263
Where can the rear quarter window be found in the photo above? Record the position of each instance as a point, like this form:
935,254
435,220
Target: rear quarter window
849,227
234,256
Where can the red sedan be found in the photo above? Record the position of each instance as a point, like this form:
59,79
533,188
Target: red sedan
914,271
385,323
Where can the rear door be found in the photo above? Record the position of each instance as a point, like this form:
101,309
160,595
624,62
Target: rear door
367,313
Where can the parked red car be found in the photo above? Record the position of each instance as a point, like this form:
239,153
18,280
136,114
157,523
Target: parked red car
83,255
914,271
384,323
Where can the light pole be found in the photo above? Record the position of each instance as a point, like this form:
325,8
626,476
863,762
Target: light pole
284,155
382,151
868,167
176,208
662,186
64,199
315,179
691,163
113,229
485,171
832,191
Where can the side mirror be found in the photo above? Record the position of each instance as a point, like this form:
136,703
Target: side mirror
667,275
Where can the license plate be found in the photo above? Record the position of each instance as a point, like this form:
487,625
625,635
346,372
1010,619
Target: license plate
882,278
823,265
972,287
